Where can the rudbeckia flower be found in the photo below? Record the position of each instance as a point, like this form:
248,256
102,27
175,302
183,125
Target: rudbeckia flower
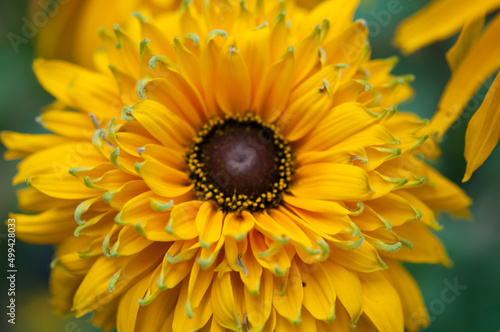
238,166
474,57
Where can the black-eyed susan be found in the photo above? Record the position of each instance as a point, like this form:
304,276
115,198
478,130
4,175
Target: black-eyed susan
474,57
237,166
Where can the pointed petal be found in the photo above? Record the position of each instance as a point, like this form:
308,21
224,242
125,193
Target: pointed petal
482,132
234,87
223,303
438,21
386,315
289,304
78,87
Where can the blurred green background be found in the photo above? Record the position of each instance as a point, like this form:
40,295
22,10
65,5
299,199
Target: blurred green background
473,246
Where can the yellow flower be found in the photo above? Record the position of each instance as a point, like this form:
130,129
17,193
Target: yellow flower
243,167
474,57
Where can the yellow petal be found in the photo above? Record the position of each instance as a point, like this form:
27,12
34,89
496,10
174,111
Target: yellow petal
174,92
62,289
182,322
427,248
279,37
348,289
339,124
190,21
481,61
56,161
272,257
416,316
96,282
386,315
234,88
470,34
303,114
349,47
209,223
350,90
68,123
316,180
136,209
427,215
254,46
223,303
22,145
62,186
199,283
289,304
482,132
108,278
176,265
78,87
129,50
189,64
315,205
319,291
307,54
338,13
442,194
208,255
117,198
363,259
395,209
73,263
307,323
277,83
270,227
129,242
158,313
167,156
438,21
209,60
127,85
323,222
369,220
159,40
182,220
51,226
238,225
259,306
129,306
292,230
33,201
163,180
340,323
160,122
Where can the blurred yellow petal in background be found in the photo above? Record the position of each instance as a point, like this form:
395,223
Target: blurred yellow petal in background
72,32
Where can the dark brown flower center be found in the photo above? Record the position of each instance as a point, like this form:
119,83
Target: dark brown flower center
241,162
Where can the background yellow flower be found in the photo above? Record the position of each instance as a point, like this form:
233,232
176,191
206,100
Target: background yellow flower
71,32
435,300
